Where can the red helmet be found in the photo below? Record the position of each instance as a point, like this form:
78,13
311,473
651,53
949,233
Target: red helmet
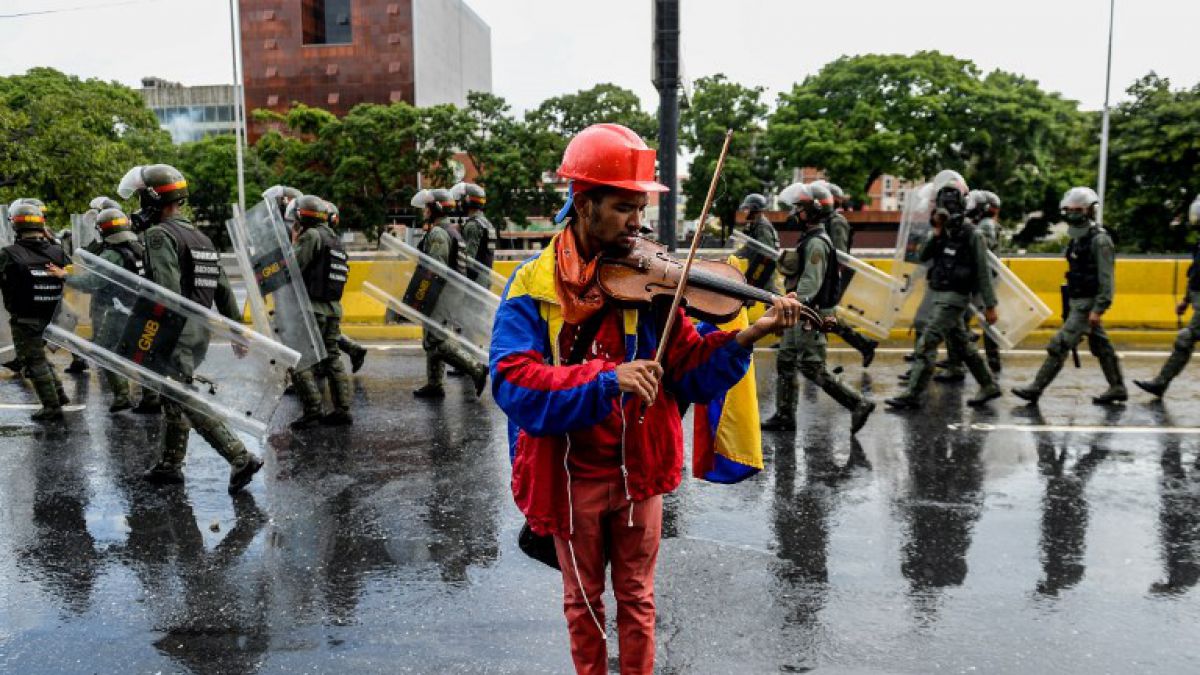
613,155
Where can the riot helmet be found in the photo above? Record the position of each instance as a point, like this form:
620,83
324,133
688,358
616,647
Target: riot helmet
823,201
993,202
100,203
438,201
26,217
798,199
113,221
753,203
311,211
1078,205
31,201
977,204
468,196
282,195
839,195
334,216
156,186
950,192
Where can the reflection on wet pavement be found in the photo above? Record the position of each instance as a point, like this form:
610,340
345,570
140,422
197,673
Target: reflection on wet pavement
946,539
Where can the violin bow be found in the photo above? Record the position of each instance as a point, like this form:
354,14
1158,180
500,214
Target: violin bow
687,264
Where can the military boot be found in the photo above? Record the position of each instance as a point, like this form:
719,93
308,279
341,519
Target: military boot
310,395
242,464
47,393
241,473
864,345
1175,362
987,383
993,354
119,387
784,419
168,470
859,406
356,352
1110,364
918,379
1045,375
59,390
150,403
339,391
434,373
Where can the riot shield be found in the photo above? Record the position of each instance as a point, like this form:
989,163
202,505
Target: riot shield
866,297
426,292
278,300
1020,310
485,276
146,332
908,272
7,234
83,230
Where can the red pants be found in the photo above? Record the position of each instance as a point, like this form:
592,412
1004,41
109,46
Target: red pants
603,535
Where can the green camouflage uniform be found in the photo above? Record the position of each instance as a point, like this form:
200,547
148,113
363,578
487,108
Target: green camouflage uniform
477,231
1077,325
805,349
946,321
163,268
117,384
438,350
328,316
1185,341
31,353
990,232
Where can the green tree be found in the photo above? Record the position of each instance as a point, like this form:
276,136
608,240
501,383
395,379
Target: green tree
1153,164
569,114
65,140
210,166
718,104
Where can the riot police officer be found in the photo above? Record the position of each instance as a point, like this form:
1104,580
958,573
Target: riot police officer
479,236
1091,260
324,265
841,233
31,295
356,352
760,268
813,273
1186,340
982,206
959,269
438,244
182,259
121,247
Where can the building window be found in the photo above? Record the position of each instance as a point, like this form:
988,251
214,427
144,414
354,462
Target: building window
326,22
224,113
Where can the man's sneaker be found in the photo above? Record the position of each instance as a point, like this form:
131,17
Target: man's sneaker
241,476
1152,387
163,474
903,402
47,414
987,394
859,417
430,391
779,422
337,418
1027,393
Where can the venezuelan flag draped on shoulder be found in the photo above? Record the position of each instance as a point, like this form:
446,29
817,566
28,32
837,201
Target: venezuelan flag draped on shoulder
547,400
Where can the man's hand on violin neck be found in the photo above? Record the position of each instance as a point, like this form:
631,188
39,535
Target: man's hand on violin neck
640,378
782,315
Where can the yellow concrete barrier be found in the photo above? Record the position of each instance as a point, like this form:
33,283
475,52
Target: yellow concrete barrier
1147,292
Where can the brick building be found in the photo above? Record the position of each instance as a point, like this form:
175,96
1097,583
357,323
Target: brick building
335,54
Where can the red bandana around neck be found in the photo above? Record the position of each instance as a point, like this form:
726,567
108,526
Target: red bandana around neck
575,280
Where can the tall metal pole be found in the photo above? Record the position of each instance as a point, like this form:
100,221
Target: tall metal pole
1102,179
239,107
666,79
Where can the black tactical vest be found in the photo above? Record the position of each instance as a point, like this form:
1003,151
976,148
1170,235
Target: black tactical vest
831,286
30,291
133,256
325,275
486,254
1083,274
954,267
199,263
1194,270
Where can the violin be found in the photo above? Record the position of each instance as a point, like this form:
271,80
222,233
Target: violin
714,292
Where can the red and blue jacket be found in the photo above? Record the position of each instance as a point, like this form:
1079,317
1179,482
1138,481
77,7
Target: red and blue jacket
546,400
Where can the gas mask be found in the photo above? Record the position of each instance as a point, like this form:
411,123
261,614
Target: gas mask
949,209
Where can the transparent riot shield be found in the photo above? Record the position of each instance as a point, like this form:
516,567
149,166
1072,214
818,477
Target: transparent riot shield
485,276
426,292
278,300
1020,310
866,294
7,234
148,334
908,272
83,231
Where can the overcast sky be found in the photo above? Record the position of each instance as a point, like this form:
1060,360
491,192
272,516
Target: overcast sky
542,48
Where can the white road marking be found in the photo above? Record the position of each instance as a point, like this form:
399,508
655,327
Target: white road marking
416,346
35,406
1080,429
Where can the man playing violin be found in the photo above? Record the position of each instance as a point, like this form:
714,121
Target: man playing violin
594,420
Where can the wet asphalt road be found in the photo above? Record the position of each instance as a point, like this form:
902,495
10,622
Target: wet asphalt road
947,540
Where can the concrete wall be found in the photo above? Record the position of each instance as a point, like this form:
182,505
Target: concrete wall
452,50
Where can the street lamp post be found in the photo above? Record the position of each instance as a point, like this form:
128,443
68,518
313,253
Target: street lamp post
239,107
1102,179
